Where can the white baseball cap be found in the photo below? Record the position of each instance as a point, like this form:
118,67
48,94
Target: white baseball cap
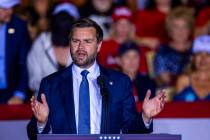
8,3
67,7
201,44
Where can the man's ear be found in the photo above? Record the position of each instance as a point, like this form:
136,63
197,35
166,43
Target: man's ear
99,46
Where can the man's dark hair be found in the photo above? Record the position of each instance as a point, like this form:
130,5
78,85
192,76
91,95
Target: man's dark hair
60,28
86,22
128,46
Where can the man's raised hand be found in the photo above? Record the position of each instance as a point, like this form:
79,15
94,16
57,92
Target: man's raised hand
40,109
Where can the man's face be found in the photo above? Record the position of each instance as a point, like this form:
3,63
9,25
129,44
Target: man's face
123,27
180,31
84,46
5,14
202,61
130,61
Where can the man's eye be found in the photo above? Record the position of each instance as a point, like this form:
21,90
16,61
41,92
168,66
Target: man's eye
88,41
75,41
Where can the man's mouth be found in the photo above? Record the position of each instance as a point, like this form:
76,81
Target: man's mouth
81,54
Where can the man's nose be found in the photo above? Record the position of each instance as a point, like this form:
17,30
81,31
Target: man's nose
81,45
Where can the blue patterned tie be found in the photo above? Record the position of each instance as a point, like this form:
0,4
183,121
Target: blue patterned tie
84,105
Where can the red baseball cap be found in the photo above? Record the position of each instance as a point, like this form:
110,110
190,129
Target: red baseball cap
122,13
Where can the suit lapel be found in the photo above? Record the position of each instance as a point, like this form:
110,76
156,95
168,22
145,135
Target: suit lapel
10,43
68,99
105,74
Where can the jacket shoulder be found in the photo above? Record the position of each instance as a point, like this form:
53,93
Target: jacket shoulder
58,76
116,75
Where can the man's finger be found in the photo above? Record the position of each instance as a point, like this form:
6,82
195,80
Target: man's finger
43,98
162,102
32,106
32,98
164,98
32,101
35,106
161,94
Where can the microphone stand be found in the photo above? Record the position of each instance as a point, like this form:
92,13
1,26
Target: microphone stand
104,94
105,101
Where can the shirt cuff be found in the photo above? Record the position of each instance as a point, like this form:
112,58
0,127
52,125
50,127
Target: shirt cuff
147,124
40,127
20,94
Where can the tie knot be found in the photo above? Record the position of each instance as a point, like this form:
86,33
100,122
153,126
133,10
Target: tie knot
84,73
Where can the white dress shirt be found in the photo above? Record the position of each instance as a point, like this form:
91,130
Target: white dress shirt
95,96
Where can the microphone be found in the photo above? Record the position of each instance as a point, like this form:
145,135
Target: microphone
104,93
102,85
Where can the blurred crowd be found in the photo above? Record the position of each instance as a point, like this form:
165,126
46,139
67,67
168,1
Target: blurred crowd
159,44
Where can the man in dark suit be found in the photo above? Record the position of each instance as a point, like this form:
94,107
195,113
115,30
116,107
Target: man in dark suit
14,45
86,98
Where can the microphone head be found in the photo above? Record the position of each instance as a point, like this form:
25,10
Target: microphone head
101,81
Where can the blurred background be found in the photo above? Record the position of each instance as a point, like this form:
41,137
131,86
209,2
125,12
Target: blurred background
159,44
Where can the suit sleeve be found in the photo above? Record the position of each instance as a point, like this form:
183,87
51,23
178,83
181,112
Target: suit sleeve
32,125
132,120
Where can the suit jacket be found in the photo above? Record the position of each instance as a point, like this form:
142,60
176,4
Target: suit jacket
122,113
142,84
17,46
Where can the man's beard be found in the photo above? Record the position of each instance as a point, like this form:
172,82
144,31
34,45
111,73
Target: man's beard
88,61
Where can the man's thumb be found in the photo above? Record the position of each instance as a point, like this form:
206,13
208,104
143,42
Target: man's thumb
148,95
43,98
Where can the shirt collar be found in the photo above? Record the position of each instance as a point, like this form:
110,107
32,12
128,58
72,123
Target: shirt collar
94,71
3,26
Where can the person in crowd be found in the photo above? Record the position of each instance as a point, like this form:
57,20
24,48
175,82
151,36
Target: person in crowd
129,57
83,7
193,85
38,15
50,51
133,5
150,22
123,30
86,98
14,46
191,3
202,25
171,59
101,12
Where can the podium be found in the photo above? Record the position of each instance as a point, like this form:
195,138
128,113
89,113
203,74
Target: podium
109,137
